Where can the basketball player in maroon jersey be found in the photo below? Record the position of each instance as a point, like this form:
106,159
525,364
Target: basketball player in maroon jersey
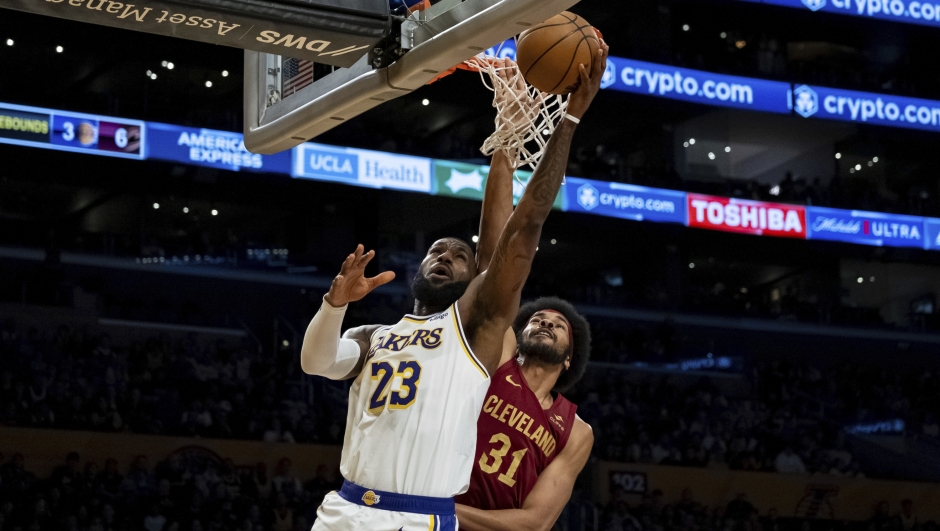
531,445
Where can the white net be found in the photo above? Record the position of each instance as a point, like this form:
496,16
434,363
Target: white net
525,116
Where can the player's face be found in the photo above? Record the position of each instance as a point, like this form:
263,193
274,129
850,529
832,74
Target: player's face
546,336
448,260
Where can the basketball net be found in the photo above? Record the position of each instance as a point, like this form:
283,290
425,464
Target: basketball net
525,116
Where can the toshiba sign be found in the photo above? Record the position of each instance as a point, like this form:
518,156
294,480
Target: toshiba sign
749,217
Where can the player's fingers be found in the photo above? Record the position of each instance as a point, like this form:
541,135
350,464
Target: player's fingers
366,258
582,73
381,278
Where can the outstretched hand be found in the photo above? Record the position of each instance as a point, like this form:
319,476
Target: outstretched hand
351,284
590,83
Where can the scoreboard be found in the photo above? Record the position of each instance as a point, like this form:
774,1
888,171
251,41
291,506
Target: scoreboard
69,131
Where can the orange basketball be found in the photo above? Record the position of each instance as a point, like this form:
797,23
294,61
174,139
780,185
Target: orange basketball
549,54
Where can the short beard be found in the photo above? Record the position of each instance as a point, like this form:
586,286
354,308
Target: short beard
437,296
539,352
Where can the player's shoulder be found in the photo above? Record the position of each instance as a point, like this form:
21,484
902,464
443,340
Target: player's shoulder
581,434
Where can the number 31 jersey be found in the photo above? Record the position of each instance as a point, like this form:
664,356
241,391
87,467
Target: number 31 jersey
412,419
516,441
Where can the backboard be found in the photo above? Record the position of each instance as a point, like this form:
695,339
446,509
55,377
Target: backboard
290,100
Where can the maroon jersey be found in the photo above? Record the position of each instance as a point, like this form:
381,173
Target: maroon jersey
516,440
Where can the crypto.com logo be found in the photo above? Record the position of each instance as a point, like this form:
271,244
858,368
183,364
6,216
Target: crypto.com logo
814,5
610,75
587,196
805,101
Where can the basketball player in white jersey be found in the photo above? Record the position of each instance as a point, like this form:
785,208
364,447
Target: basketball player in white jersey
420,384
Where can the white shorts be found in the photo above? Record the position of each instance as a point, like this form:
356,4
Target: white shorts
337,514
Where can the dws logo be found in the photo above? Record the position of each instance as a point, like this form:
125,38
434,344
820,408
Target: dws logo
335,164
814,5
805,101
610,75
588,197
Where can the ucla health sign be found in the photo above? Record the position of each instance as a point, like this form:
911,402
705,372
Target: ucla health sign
865,228
919,12
361,167
625,201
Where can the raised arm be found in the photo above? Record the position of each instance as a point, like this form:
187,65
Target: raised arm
548,497
492,300
324,352
497,207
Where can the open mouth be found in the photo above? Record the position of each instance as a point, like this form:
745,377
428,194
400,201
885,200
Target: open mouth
544,332
439,272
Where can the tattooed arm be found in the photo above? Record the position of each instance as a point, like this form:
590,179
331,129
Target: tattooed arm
497,207
492,300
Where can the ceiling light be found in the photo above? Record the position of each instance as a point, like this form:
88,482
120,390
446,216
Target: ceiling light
475,238
225,73
838,155
215,212
169,66
163,64
711,156
208,84
775,190
685,144
860,280
692,265
59,49
740,44
851,170
874,159
425,102
870,164
727,149
153,76
858,167
185,210
724,35
156,206
692,141
9,42
685,27
872,279
554,241
149,73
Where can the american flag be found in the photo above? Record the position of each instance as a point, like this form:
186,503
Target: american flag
296,74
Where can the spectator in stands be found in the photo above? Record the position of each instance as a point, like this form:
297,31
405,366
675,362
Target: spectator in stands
788,462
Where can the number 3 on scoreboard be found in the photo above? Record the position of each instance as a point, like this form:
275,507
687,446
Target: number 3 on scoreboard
383,373
497,454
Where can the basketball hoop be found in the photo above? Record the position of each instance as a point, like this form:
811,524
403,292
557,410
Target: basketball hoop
525,116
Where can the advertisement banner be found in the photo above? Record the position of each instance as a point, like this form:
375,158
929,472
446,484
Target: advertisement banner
395,172
790,495
865,228
326,163
207,147
695,86
746,217
907,11
625,201
467,181
67,131
932,234
865,107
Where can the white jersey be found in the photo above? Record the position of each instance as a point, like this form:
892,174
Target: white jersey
412,421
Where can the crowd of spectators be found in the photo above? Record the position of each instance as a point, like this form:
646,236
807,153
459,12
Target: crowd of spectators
193,490
792,420
189,491
652,513
76,379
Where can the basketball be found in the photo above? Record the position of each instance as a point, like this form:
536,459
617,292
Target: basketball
548,55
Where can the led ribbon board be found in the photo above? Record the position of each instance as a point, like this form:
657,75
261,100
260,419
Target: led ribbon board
684,84
923,13
69,131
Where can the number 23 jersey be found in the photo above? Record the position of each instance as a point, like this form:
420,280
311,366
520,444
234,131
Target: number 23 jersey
411,423
516,441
